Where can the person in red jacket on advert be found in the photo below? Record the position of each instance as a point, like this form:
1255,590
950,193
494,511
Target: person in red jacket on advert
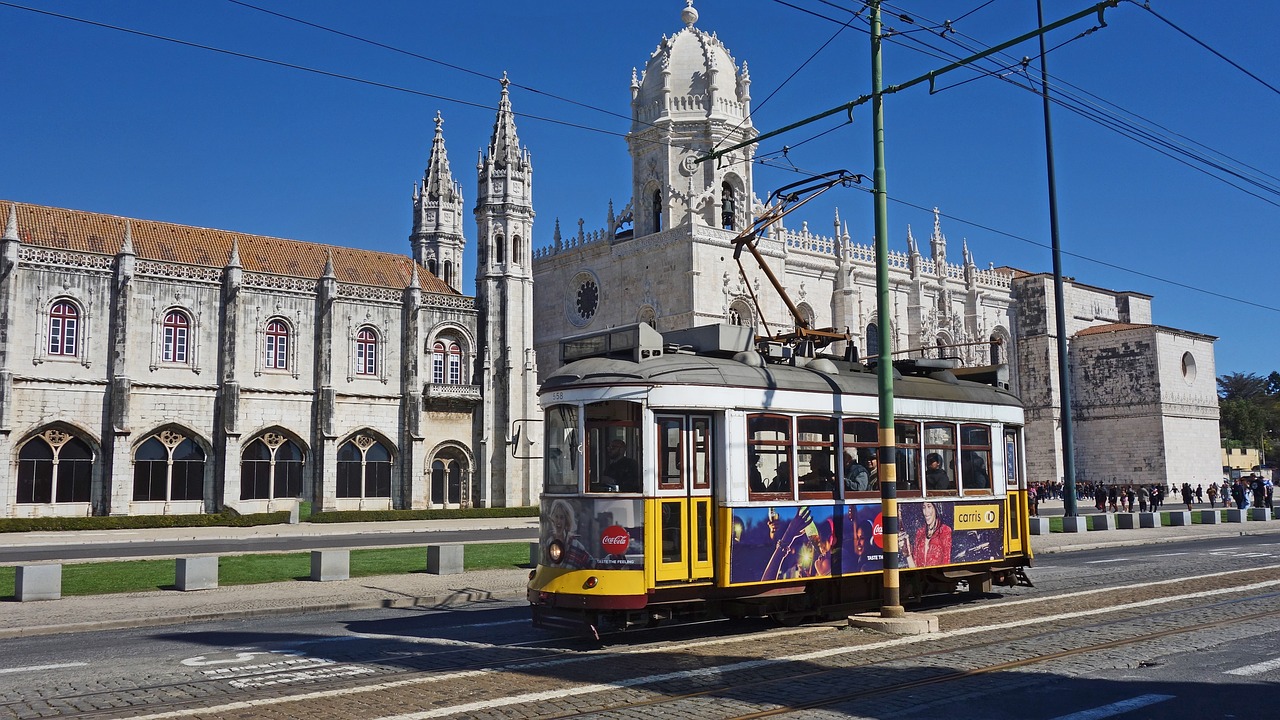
931,545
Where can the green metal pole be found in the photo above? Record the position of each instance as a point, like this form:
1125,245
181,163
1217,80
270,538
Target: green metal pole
1059,302
891,602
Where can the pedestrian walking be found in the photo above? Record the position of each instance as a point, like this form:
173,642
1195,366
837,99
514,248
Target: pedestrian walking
1213,495
1186,495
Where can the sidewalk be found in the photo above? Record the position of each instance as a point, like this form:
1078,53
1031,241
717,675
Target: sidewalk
170,607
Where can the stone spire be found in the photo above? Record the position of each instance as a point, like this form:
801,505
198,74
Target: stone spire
438,238
11,225
126,247
328,265
234,259
938,243
504,146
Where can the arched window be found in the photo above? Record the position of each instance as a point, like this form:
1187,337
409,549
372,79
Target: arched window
995,349
364,469
499,249
446,362
455,364
448,273
55,467
168,466
728,207
277,345
366,352
515,249
431,265
64,328
873,340
271,468
437,362
175,333
740,314
446,480
657,211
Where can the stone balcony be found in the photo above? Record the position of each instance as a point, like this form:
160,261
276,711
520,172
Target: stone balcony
444,396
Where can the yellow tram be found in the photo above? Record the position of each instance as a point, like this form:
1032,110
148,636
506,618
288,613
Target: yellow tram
695,474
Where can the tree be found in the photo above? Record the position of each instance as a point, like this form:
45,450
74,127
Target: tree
1241,386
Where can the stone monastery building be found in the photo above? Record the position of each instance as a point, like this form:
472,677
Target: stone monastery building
150,368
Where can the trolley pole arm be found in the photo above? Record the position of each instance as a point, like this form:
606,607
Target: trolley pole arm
789,198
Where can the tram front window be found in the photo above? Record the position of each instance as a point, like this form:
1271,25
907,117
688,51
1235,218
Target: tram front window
613,448
560,472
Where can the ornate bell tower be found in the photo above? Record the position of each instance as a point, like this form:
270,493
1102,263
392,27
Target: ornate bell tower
690,99
437,217
507,434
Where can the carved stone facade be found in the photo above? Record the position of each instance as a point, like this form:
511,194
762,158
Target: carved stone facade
139,377
667,259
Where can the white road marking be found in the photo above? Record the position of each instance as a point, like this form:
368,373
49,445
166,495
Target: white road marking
1095,591
1104,562
720,670
1256,669
1171,554
34,668
1116,708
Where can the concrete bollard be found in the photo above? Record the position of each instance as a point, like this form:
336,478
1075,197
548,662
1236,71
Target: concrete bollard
1102,522
197,573
295,514
444,559
1259,513
1075,524
1235,515
1148,520
1127,521
38,582
1180,518
1210,517
327,565
1039,526
535,554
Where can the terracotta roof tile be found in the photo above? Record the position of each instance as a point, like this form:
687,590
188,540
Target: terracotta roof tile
166,242
1111,327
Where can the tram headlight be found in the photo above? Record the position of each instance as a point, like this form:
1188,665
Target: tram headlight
555,551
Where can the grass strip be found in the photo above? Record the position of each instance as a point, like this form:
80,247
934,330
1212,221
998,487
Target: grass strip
103,578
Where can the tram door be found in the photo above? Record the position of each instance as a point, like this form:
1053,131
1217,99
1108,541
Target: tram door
682,512
1017,495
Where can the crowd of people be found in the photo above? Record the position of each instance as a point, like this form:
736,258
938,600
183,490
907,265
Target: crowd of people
1244,492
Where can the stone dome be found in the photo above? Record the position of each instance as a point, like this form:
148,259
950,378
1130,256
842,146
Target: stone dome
691,76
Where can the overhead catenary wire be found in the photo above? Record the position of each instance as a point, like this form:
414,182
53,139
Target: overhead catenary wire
761,161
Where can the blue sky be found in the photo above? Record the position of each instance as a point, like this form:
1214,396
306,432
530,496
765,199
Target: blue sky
101,120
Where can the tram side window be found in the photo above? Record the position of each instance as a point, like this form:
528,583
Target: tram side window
907,439
613,446
975,458
940,458
769,470
560,471
860,466
670,452
816,446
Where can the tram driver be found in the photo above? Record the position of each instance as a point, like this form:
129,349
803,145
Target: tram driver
620,472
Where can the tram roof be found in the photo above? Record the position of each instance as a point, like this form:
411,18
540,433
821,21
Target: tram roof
831,375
